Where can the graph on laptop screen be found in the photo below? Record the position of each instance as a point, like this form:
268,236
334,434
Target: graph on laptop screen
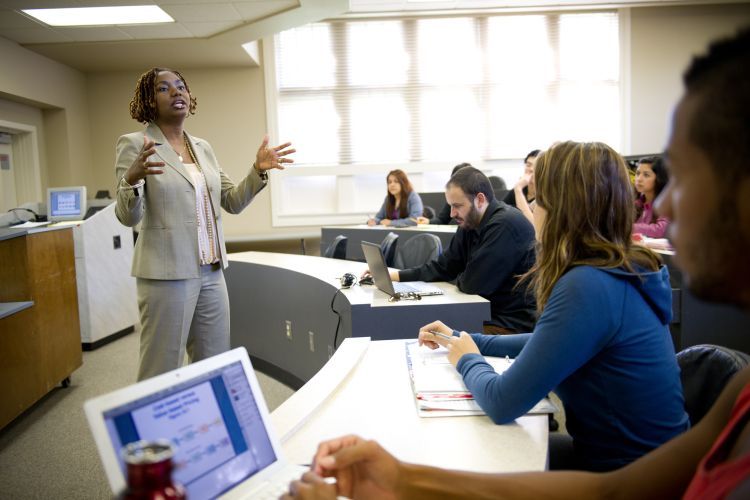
213,424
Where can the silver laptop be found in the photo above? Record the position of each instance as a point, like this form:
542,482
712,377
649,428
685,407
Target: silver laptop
213,413
382,279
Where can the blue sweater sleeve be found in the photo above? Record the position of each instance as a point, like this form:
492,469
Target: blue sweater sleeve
381,213
577,322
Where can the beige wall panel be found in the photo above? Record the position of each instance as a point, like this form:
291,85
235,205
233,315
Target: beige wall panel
663,41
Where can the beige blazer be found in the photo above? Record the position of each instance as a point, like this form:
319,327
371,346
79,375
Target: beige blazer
167,245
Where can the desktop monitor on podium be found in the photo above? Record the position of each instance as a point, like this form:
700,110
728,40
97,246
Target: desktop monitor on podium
66,203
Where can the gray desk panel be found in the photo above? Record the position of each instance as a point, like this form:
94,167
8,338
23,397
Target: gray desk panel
357,234
265,299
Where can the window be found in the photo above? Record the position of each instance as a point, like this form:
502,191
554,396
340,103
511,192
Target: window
418,91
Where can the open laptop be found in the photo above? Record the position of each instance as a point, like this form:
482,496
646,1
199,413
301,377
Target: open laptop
382,279
213,413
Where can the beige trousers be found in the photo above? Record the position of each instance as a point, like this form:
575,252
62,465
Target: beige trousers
182,316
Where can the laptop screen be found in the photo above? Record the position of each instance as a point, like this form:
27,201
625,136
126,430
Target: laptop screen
213,422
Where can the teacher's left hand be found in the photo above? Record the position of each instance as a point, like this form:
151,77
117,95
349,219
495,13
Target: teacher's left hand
273,157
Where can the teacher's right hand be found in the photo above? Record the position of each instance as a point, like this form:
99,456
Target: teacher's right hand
141,167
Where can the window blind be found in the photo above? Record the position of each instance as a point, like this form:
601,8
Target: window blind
413,90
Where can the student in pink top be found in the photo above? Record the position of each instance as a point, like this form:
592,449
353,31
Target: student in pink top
650,178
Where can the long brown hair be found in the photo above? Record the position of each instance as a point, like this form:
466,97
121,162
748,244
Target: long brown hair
406,189
143,104
587,195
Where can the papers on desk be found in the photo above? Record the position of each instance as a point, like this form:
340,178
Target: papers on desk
439,389
28,224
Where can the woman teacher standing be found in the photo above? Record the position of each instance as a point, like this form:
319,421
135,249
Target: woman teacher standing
172,183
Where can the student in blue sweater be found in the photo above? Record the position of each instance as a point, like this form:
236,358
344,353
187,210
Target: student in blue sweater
602,340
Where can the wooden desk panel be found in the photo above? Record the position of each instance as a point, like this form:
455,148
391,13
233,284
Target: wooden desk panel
43,341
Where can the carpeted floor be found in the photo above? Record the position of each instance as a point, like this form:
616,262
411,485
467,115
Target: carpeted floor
48,452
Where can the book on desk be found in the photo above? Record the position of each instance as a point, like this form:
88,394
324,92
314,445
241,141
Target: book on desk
439,390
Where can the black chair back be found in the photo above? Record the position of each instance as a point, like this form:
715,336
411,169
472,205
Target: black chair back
337,248
388,247
418,250
705,370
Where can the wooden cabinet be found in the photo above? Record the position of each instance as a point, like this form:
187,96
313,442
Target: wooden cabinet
40,345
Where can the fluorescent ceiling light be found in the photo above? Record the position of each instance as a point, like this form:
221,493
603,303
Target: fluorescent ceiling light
98,16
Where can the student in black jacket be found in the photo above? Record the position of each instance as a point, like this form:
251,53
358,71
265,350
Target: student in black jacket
493,245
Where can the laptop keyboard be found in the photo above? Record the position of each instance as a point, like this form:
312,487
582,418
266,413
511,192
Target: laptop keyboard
278,485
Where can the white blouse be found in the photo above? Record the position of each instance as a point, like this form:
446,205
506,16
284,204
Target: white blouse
208,245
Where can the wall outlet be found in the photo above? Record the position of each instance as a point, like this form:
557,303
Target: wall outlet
288,329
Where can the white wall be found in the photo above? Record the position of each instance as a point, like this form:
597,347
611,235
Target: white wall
663,41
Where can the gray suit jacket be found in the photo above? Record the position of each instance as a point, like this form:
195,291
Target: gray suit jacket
167,245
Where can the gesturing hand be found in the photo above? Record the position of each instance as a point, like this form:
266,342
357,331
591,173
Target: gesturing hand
141,167
272,157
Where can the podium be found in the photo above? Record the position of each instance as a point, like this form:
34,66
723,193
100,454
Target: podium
107,301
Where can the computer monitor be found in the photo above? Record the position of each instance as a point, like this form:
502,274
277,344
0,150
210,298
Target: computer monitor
66,203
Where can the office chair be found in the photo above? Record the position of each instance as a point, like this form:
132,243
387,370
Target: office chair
497,183
428,212
337,248
705,370
418,250
388,247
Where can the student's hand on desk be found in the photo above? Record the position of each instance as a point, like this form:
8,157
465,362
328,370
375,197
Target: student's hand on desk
385,222
427,338
459,346
423,220
371,222
362,469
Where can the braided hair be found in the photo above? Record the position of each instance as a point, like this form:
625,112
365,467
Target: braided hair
143,104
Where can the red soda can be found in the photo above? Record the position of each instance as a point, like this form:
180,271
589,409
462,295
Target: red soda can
149,467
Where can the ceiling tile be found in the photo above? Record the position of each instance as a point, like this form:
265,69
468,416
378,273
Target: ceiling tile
251,11
109,3
202,12
156,31
12,19
38,4
203,30
35,35
95,33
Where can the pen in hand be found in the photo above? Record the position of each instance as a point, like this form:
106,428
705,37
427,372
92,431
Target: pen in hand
440,334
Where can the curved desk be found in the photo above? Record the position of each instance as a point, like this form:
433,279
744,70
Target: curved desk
288,312
365,389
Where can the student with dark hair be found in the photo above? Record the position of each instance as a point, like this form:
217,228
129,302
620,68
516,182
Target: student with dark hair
707,201
650,178
494,244
402,205
444,216
524,192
